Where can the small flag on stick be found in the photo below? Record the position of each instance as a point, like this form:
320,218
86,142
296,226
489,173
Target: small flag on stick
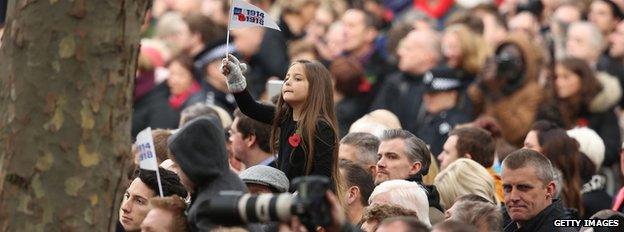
147,154
243,14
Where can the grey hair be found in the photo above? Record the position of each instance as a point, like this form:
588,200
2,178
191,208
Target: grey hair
528,158
596,38
478,214
415,149
406,194
366,144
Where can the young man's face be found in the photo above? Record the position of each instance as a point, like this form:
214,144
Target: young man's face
134,206
449,152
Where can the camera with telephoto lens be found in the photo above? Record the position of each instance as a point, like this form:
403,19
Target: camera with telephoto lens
233,208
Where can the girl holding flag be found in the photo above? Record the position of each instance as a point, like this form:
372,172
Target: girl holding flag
304,128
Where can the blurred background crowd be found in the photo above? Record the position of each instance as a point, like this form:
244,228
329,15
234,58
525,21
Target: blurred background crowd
419,65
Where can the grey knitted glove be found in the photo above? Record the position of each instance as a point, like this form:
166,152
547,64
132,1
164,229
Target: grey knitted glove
233,71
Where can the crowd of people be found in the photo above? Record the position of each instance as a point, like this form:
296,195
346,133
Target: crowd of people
423,115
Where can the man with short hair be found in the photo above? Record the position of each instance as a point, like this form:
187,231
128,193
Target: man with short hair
404,156
144,186
360,148
585,41
250,141
359,186
166,214
472,143
402,92
528,181
402,224
401,155
485,216
361,29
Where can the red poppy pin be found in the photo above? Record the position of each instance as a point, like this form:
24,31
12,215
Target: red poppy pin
294,139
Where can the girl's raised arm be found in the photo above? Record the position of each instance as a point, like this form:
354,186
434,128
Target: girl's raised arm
233,71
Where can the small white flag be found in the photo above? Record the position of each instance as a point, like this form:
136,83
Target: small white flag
243,14
147,154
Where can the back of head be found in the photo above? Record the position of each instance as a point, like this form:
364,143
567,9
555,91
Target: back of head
386,118
590,144
411,224
209,31
199,149
176,206
415,149
348,76
407,194
464,176
195,111
485,216
355,175
529,158
454,226
160,137
366,144
169,181
264,175
381,212
476,142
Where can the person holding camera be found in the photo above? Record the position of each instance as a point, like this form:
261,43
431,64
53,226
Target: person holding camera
304,129
508,88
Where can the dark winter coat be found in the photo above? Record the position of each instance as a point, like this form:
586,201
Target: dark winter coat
435,128
292,161
153,110
199,150
542,222
402,94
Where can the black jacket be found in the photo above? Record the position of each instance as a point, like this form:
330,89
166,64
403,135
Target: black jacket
542,222
348,110
199,149
595,197
435,128
153,110
292,161
270,61
402,94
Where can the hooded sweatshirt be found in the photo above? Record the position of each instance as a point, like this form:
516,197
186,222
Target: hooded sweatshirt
199,150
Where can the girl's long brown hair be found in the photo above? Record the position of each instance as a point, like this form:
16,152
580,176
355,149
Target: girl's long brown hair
318,106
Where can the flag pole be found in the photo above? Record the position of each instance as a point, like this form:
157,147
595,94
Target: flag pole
159,184
227,37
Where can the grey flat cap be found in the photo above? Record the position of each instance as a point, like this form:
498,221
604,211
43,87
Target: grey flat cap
265,175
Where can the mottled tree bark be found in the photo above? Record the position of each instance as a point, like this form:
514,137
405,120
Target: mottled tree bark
66,77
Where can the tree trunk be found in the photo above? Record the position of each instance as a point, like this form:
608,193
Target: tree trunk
66,77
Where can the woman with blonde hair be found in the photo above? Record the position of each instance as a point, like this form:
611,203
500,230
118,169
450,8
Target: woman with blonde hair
465,50
464,176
